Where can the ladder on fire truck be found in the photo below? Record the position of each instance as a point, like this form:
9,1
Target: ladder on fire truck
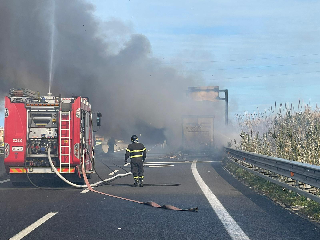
65,129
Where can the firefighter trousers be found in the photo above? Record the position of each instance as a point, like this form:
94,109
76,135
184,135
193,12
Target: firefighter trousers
137,167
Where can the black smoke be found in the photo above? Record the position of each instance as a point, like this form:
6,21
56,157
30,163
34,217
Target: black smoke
135,92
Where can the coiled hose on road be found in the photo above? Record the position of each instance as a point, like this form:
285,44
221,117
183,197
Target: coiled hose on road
89,186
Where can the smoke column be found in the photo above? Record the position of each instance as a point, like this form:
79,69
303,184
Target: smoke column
105,61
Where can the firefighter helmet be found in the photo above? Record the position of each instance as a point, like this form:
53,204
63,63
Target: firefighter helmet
134,138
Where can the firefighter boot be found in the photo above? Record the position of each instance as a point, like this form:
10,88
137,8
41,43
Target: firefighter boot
136,182
141,181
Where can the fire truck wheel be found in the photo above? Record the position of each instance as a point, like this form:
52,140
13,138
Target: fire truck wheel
19,179
18,184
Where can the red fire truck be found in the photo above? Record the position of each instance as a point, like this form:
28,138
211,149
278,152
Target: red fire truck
34,124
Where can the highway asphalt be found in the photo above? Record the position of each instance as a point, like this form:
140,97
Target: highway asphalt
227,208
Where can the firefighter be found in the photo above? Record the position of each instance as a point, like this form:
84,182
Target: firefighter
137,153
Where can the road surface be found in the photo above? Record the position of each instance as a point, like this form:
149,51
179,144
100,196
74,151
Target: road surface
227,208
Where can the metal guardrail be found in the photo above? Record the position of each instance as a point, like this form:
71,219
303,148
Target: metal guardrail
303,172
295,172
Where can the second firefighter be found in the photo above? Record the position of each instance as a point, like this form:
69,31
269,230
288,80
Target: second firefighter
137,153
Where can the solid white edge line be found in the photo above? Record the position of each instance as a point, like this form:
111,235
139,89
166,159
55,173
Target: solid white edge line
33,226
4,181
228,222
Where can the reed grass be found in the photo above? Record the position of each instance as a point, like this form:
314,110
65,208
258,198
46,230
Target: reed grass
282,131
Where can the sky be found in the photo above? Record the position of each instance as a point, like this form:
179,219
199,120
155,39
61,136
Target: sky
261,51
127,54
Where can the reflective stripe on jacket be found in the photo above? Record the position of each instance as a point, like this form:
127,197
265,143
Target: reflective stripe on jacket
135,150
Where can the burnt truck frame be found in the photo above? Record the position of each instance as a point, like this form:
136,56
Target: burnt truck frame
197,133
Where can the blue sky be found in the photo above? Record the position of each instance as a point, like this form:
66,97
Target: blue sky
262,51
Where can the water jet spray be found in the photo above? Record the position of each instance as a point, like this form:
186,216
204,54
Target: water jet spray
52,46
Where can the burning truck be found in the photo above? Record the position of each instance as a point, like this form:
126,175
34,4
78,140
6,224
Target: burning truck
197,133
36,126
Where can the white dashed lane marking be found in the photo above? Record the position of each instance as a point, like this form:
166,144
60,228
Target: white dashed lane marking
33,226
180,162
86,190
228,222
112,173
4,181
164,165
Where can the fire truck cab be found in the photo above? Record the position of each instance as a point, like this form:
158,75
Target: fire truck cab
34,124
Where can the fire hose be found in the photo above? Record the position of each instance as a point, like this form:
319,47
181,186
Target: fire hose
82,186
89,186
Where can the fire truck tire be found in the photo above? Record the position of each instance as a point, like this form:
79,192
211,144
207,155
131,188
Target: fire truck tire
18,184
19,179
